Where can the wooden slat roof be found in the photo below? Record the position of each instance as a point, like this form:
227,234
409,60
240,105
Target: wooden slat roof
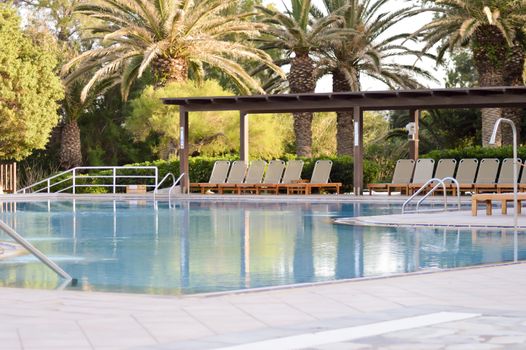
367,100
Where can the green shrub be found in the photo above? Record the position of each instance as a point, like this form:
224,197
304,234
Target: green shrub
477,152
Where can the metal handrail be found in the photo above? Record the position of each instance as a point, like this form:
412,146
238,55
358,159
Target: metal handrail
74,176
37,253
441,182
174,185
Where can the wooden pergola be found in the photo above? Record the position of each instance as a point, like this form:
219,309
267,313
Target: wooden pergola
412,100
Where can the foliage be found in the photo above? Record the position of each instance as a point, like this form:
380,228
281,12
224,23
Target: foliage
458,20
211,133
111,144
461,70
384,153
171,37
368,49
477,152
294,30
29,90
440,128
32,170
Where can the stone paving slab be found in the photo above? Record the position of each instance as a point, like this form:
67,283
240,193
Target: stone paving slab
44,319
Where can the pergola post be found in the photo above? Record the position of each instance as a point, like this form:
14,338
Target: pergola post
413,142
183,150
243,137
358,150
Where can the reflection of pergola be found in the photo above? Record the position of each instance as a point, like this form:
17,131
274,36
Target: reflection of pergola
358,102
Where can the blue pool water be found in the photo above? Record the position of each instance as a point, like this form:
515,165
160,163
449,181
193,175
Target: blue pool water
128,246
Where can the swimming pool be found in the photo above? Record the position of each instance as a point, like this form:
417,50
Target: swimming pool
196,247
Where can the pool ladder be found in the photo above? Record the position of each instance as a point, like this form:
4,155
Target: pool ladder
37,253
440,182
175,182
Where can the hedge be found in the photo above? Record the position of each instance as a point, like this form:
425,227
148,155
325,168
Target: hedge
477,152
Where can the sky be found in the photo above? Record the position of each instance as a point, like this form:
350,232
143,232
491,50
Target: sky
408,25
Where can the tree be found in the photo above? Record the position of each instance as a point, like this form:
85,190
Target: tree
491,28
294,32
29,90
174,39
56,18
211,133
461,72
368,51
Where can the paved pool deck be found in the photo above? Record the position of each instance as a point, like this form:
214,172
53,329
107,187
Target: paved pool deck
453,219
475,308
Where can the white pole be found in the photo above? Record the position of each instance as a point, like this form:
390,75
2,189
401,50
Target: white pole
515,162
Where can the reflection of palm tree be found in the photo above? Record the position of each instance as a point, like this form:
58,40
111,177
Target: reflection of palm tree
350,256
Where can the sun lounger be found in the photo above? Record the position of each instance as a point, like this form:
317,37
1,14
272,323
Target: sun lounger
486,175
272,177
445,168
505,179
505,182
254,176
467,170
218,176
236,175
423,172
292,175
319,179
402,176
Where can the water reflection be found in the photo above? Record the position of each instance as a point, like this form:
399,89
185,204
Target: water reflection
137,246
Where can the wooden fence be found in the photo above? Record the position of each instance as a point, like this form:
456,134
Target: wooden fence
8,177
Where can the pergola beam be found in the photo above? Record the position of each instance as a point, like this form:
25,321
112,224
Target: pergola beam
183,150
374,100
358,151
415,140
243,137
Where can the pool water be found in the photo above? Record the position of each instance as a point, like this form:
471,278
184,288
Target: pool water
196,247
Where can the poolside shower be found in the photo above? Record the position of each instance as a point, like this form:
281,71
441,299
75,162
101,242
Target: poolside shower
492,142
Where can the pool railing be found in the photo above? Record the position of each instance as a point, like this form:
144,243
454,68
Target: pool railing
75,178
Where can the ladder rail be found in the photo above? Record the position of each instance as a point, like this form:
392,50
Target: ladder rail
440,183
174,185
33,250
443,182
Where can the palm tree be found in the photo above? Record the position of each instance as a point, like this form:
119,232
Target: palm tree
299,36
491,29
172,38
367,52
73,107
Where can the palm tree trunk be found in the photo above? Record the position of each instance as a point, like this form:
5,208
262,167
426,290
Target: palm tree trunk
513,77
301,80
169,69
344,120
70,150
489,53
